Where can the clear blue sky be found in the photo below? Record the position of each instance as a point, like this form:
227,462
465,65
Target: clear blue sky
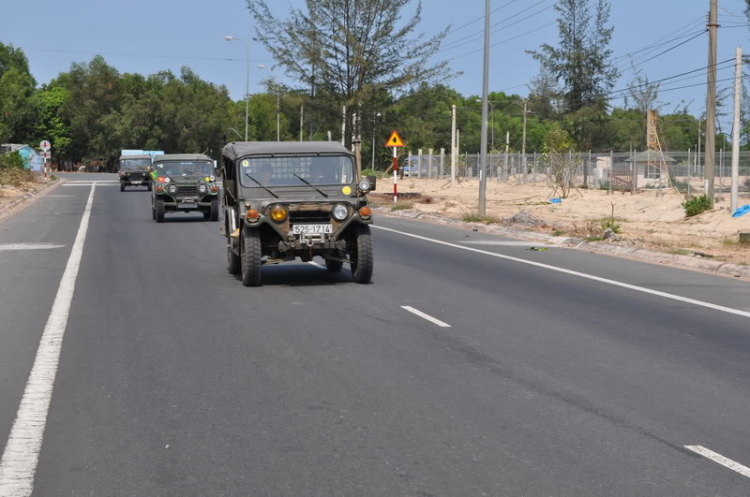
132,35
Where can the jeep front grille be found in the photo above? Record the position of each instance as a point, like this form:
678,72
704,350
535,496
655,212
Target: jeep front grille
187,190
312,217
136,176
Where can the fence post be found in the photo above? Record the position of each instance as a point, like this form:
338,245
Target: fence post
411,166
634,172
611,169
429,163
419,163
442,162
535,166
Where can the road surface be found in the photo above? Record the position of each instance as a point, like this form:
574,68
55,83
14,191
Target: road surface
461,370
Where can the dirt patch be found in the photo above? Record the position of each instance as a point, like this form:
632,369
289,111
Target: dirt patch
647,219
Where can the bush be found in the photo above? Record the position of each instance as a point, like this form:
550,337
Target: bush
11,160
696,205
16,177
476,218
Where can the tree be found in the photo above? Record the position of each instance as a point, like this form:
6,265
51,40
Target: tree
583,63
17,115
350,50
642,94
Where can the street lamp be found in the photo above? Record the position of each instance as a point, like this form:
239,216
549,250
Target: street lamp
247,79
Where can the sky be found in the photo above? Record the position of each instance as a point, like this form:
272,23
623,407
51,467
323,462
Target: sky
147,36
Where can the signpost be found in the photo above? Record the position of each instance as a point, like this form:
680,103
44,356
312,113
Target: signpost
45,146
395,142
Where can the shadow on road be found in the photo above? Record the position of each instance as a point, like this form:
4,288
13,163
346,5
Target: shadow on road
302,275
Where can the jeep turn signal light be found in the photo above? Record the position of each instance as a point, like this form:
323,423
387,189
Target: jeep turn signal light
214,189
252,215
159,188
365,212
278,213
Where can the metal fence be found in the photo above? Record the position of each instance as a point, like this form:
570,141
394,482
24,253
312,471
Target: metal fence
615,171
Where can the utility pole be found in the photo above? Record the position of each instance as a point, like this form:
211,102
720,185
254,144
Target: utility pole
454,145
736,130
485,90
301,121
278,117
343,127
711,102
523,146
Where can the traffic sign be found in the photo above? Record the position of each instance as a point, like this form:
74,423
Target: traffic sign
46,155
395,140
45,145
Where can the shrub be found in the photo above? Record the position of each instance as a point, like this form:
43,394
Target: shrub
11,160
696,205
16,177
476,218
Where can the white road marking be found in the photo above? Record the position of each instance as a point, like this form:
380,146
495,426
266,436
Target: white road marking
313,263
426,316
28,246
21,455
718,458
620,284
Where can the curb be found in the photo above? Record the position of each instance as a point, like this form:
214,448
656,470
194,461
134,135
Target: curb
26,197
640,254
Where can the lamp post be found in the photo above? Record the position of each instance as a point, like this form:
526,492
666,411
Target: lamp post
247,78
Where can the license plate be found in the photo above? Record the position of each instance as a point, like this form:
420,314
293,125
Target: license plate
311,229
135,182
187,206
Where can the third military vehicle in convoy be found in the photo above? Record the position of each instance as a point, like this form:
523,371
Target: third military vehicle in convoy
287,200
134,171
184,183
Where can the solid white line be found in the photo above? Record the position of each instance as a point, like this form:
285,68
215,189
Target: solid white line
718,458
426,316
21,455
313,263
620,284
29,246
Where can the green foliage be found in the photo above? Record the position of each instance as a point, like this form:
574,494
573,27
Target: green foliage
11,160
696,205
476,218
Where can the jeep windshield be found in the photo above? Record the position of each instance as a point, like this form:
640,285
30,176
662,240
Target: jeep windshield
134,164
185,168
291,171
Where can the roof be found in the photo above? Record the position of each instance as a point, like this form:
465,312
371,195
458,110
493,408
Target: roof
135,157
651,156
236,150
185,157
13,147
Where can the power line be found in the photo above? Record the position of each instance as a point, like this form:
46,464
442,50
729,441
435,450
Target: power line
667,50
702,71
477,36
479,18
659,41
506,40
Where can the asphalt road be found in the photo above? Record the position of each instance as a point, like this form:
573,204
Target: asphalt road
517,379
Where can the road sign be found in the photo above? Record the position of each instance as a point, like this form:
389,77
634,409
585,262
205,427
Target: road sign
46,155
45,145
395,140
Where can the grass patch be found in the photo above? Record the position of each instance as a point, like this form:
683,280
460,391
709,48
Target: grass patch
558,233
696,205
476,218
734,243
590,239
402,206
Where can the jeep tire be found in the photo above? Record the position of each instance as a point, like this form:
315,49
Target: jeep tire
251,257
360,253
214,215
159,210
233,260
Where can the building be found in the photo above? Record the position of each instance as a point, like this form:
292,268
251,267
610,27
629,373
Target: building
31,158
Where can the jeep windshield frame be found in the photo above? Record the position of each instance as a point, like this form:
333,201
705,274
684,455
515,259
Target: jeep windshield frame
286,170
135,164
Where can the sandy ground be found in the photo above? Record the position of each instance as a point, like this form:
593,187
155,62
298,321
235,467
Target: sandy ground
646,219
9,194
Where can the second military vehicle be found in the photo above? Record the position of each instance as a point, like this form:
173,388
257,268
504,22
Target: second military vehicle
134,171
184,183
287,200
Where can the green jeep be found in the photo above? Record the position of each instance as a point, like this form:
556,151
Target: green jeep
134,171
284,200
184,183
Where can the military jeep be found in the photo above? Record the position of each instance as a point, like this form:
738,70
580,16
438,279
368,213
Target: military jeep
288,200
134,171
184,183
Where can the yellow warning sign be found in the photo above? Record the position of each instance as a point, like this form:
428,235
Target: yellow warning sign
395,140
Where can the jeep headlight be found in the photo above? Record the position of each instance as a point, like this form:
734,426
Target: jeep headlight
202,188
340,212
364,186
172,189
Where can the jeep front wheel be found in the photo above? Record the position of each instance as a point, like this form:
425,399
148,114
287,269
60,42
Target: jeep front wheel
159,210
233,261
214,216
361,254
251,254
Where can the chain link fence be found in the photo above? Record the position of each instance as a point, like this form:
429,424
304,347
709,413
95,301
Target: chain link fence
629,171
